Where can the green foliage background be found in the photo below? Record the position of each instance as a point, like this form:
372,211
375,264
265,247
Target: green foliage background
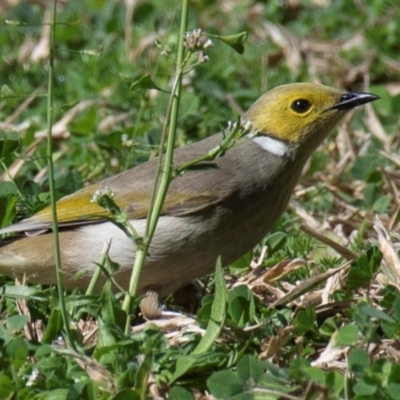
101,50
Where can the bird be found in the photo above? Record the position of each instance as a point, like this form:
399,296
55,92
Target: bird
219,211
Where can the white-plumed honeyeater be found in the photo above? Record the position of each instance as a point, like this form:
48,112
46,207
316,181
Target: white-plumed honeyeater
208,213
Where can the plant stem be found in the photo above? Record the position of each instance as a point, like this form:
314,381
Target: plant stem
57,254
166,171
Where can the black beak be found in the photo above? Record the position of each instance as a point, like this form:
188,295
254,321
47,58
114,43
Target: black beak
355,99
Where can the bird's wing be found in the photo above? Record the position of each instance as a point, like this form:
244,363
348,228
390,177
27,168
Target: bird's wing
190,193
77,209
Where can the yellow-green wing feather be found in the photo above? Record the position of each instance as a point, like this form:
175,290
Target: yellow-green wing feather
190,193
78,208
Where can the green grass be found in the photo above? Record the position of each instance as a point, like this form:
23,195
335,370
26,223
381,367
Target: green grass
270,337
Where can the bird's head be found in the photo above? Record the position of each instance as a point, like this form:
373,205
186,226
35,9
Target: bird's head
301,115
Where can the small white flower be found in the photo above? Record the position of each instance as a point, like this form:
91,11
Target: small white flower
197,33
246,124
125,141
208,44
203,57
114,162
99,193
33,377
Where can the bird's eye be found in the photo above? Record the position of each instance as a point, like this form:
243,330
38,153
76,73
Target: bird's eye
301,106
